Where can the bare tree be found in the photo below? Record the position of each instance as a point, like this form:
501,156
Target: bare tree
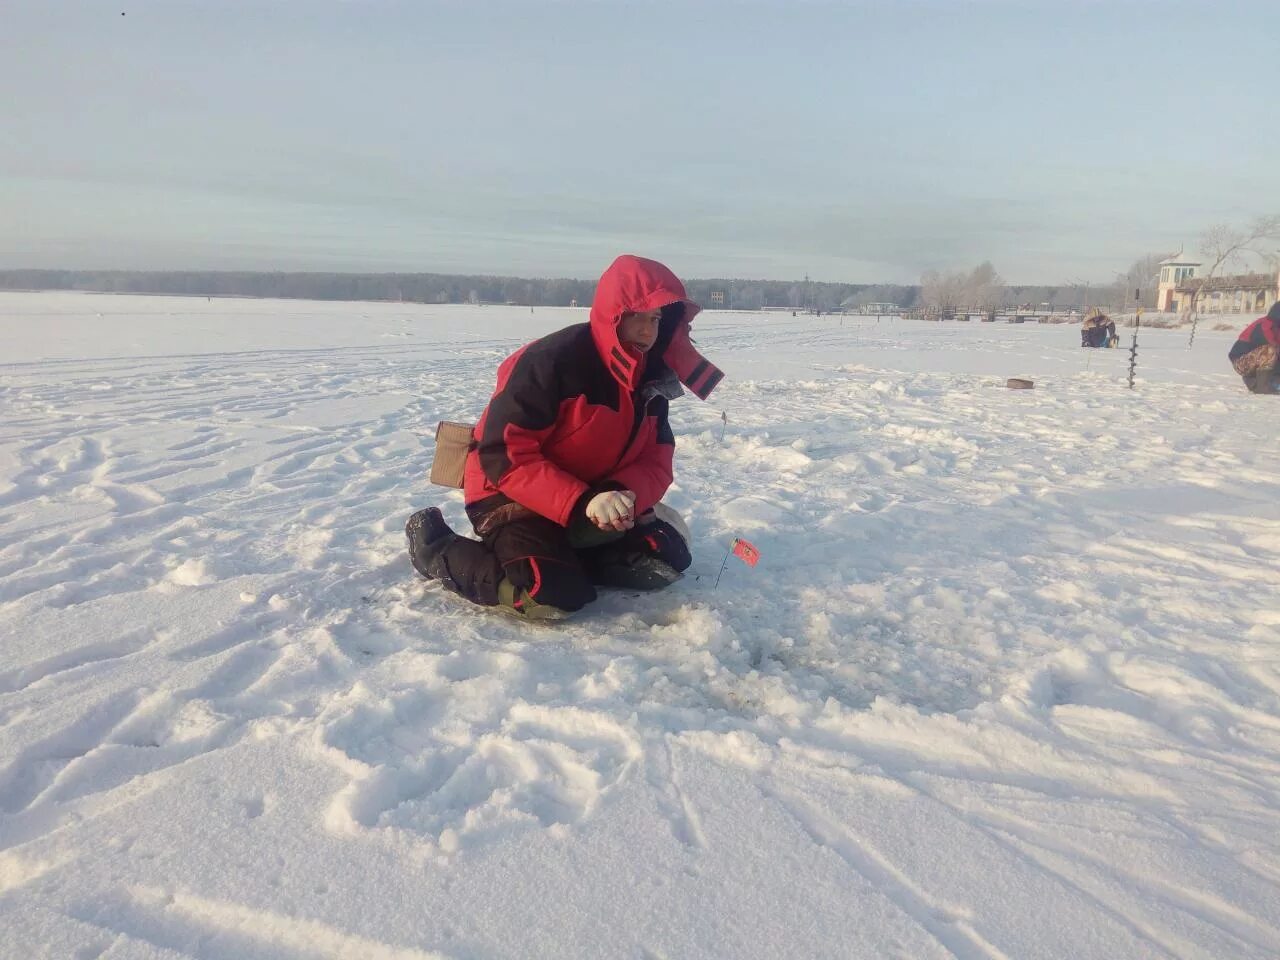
980,288
940,292
1226,246
1143,275
983,288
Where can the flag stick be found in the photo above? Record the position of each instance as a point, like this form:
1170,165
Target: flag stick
724,563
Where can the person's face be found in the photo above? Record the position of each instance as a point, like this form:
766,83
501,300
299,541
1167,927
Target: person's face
640,330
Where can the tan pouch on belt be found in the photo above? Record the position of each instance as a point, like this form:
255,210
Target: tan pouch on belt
453,443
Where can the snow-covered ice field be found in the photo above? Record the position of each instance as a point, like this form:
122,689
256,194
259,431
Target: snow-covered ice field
1005,684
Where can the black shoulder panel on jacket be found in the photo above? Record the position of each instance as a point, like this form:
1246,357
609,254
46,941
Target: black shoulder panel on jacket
660,409
570,353
558,367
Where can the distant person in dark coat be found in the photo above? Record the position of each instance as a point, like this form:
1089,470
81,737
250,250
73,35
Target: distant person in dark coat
1255,352
1098,330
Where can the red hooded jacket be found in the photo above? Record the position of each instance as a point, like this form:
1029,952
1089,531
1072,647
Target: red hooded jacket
578,410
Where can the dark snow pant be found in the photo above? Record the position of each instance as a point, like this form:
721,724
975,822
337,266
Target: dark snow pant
1263,381
533,563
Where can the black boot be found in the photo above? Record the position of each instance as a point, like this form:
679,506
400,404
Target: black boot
428,535
615,565
637,571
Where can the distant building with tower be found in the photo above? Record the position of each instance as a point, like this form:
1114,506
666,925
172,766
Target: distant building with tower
1173,271
1241,293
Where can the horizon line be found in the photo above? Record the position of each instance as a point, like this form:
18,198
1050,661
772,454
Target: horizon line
508,276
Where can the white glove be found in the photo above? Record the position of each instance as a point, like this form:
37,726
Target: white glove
612,510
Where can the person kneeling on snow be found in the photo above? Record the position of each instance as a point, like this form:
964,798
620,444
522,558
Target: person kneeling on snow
572,456
1254,354
1098,330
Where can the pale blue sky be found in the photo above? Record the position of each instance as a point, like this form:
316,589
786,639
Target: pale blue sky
853,141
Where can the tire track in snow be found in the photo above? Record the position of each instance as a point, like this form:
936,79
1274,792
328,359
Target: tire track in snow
660,770
39,764
1048,853
951,927
211,929
90,653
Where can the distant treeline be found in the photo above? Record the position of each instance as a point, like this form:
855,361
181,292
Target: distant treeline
453,288
445,288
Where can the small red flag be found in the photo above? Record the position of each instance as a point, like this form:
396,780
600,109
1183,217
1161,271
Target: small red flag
746,551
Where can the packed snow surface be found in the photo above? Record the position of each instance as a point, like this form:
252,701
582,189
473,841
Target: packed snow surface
1005,683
